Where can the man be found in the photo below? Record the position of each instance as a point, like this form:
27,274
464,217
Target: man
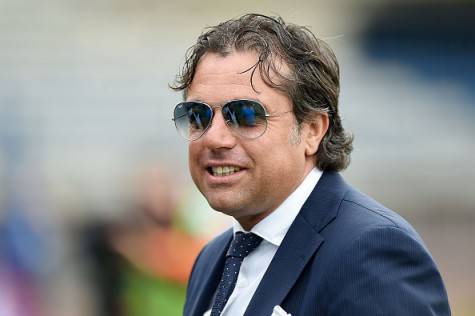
265,146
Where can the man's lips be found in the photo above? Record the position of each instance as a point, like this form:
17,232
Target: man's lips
217,176
223,169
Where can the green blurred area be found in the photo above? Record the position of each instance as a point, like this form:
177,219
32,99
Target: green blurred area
145,295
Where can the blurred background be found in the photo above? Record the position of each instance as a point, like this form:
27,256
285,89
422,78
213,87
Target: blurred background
98,215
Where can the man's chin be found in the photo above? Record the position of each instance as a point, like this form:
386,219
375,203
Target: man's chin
225,208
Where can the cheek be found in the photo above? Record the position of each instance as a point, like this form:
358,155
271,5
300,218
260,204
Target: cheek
284,162
273,160
193,160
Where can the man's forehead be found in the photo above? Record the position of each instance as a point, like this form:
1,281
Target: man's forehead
237,67
234,63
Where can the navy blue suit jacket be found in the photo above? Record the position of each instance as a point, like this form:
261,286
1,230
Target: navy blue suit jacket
344,254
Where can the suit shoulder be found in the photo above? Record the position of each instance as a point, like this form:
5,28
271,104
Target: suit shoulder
362,213
367,207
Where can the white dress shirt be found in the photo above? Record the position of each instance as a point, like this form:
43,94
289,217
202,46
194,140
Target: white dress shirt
272,229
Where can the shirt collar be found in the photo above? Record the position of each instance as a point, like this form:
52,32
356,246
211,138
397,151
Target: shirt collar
274,227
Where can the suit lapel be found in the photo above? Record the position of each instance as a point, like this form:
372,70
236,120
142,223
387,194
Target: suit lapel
210,277
299,245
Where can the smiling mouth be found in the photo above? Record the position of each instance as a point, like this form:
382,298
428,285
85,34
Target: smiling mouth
222,171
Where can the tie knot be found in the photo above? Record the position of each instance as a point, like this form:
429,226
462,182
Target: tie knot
243,244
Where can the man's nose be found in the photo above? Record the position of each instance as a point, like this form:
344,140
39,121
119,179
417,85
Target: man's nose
219,135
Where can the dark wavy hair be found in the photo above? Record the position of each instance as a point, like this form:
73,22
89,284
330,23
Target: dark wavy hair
313,83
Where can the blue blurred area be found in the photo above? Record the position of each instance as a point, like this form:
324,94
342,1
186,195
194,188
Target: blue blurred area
23,245
435,39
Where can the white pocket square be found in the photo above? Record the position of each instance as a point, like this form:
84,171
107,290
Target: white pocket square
279,311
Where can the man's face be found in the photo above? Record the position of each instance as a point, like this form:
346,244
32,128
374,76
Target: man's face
270,167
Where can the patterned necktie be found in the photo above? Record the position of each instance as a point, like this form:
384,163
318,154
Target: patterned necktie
242,245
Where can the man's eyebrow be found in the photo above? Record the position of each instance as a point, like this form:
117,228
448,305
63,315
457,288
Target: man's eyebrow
195,100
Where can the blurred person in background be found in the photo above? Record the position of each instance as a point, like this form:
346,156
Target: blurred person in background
266,145
141,261
24,259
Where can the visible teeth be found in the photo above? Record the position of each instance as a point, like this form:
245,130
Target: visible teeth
224,170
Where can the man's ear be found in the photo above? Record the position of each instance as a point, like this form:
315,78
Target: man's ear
316,130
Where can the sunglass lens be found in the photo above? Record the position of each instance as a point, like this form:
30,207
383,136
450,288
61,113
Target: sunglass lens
246,116
192,119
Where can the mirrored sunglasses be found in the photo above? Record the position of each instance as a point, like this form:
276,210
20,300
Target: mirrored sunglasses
247,118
